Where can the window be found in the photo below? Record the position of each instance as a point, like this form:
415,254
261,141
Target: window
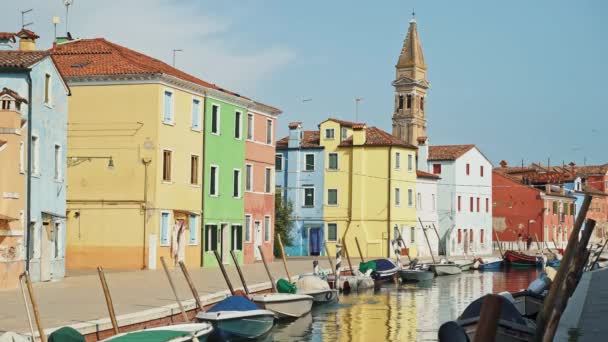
410,198
237,237
481,235
166,165
309,160
238,117
409,101
555,207
468,169
397,160
332,196
35,155
269,132
400,102
248,177
487,205
194,170
410,163
459,202
419,201
193,224
249,126
57,162
329,133
309,196
247,228
164,228
471,204
343,133
397,197
478,204
459,236
332,232
278,162
210,237
470,235
413,234
333,161
22,157
268,180
267,228
437,169
481,170
168,108
236,183
215,119
47,89
421,103
196,114
214,182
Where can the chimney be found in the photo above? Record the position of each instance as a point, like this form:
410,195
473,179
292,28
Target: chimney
359,134
423,154
547,188
27,40
503,163
295,135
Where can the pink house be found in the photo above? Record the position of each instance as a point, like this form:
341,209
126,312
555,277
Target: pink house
259,181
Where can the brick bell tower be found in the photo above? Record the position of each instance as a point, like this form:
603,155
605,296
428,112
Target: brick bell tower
409,119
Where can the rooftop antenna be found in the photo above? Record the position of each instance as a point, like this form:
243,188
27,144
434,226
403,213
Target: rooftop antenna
357,100
174,51
23,23
56,21
67,4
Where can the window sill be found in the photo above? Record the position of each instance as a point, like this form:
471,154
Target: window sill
332,205
214,133
308,206
165,245
333,170
48,105
195,185
167,182
239,139
198,130
58,181
332,241
36,175
169,123
193,243
308,170
214,195
237,197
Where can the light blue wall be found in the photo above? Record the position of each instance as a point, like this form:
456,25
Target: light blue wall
49,123
570,190
292,179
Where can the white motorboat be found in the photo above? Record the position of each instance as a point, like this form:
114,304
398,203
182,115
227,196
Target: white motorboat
239,325
284,305
321,296
446,269
317,288
170,333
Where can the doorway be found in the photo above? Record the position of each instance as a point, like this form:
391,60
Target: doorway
225,248
315,240
257,240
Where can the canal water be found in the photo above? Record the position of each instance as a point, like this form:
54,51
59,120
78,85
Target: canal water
405,312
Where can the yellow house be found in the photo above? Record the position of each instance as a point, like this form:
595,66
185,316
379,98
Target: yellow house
135,153
369,180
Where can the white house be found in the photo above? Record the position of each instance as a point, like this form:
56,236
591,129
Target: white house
426,210
464,202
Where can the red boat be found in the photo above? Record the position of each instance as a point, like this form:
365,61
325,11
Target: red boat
516,258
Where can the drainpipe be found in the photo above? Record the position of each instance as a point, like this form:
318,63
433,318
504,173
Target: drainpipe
28,218
146,163
203,129
388,221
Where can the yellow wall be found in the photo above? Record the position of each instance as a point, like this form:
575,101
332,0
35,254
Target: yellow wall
105,224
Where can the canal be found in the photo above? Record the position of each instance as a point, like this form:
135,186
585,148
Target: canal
405,312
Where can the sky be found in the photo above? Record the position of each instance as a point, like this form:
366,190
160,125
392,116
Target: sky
520,79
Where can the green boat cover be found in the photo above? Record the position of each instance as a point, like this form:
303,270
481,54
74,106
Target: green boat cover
151,336
283,286
365,266
66,334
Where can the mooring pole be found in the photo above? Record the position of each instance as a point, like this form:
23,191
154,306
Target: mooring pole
272,283
179,302
283,257
331,264
197,298
110,305
27,308
359,249
224,273
238,269
30,290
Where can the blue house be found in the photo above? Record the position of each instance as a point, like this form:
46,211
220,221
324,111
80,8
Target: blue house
33,74
299,177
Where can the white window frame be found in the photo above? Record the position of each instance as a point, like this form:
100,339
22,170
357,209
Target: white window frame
36,155
160,228
240,114
397,194
219,115
268,186
21,157
233,229
240,183
333,134
193,229
199,113
329,161
217,180
171,120
250,128
343,133
57,170
327,226
248,177
269,137
248,230
304,196
267,229
282,161
410,198
332,205
207,245
314,162
397,160
410,163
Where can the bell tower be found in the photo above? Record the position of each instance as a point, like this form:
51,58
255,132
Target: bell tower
409,119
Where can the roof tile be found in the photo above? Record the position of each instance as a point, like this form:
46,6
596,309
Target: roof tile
448,152
374,136
20,59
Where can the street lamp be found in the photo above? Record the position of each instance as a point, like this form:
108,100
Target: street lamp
77,160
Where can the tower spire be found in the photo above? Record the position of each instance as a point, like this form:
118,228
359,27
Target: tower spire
411,53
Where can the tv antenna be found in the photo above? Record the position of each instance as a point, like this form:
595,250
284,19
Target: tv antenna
23,13
357,100
174,51
67,4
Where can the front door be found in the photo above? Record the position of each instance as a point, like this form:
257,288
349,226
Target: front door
257,240
315,241
225,243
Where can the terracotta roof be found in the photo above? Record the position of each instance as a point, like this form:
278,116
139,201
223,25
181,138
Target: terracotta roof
293,125
310,140
377,137
591,170
448,152
587,188
25,33
8,36
344,122
13,94
20,59
422,174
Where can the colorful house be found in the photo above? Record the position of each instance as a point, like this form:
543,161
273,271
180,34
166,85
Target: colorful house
300,181
259,181
426,211
22,70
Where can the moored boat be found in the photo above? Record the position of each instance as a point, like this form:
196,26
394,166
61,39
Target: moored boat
415,275
171,333
528,303
447,268
284,305
464,264
385,269
490,264
317,288
521,260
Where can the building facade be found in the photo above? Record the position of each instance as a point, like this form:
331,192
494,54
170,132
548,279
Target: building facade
426,210
259,178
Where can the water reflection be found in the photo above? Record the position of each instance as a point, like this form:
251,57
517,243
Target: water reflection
400,312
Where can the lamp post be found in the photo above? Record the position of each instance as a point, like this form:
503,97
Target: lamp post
77,160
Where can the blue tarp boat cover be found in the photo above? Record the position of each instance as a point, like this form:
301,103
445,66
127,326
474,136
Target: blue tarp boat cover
384,265
234,303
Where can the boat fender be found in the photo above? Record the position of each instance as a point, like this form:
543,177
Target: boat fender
452,332
539,285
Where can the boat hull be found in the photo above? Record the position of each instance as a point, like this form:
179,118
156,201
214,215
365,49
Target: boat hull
200,331
494,265
528,303
322,296
238,325
284,305
506,331
520,259
446,269
415,275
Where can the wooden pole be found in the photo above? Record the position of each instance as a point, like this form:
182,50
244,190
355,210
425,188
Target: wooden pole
400,237
427,241
488,318
560,277
331,264
499,246
106,293
27,308
30,290
283,257
554,243
272,283
223,269
197,298
599,253
358,248
179,302
238,269
352,270
537,243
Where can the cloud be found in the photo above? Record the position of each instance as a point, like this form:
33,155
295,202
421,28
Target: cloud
211,47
